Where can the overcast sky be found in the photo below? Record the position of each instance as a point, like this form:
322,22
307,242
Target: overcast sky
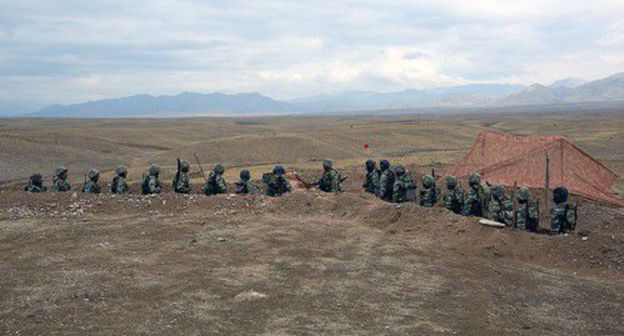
77,50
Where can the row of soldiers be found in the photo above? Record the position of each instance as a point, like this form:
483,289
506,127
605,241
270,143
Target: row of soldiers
276,182
394,184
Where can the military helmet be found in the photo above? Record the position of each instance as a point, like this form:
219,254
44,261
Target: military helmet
399,170
245,175
370,165
474,178
154,169
59,171
184,164
219,169
451,182
523,194
428,181
93,174
328,163
279,170
121,170
498,191
384,164
560,195
36,179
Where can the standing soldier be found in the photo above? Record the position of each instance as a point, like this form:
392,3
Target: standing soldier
371,183
454,197
244,186
181,183
403,185
91,186
277,185
151,183
527,215
429,194
564,215
476,202
501,207
216,182
35,184
331,179
386,181
119,184
60,183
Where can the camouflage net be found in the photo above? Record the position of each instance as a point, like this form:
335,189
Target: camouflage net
505,159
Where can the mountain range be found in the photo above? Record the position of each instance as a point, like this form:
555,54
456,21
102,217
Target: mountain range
569,90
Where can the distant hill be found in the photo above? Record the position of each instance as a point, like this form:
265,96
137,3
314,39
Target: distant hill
10,108
561,92
455,96
184,104
607,89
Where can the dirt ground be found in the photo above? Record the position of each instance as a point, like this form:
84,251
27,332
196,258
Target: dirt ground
307,263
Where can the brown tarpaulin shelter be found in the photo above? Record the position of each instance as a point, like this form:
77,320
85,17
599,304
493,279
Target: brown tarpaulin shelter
505,159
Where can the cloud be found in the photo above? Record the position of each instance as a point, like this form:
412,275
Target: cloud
73,50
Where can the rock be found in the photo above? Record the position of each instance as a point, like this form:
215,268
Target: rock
221,239
584,238
74,195
249,296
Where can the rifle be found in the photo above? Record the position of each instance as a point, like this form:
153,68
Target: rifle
306,184
200,168
84,184
177,175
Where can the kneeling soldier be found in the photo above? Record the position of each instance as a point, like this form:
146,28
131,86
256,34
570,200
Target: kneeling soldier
454,197
501,207
564,215
429,194
151,183
371,183
60,183
35,184
92,186
527,215
244,186
216,182
277,184
181,183
119,184
404,186
331,179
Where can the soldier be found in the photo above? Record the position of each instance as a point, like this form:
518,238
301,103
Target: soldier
403,186
181,183
454,197
91,186
331,179
476,202
151,183
527,215
371,183
277,185
35,184
501,207
563,215
119,184
244,186
216,182
60,183
386,181
429,194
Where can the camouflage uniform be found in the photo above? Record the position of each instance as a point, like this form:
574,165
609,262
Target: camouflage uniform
429,194
35,184
501,207
454,197
527,214
277,185
151,184
244,186
119,184
386,181
60,183
330,181
371,183
476,201
92,185
181,183
216,182
563,214
403,186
